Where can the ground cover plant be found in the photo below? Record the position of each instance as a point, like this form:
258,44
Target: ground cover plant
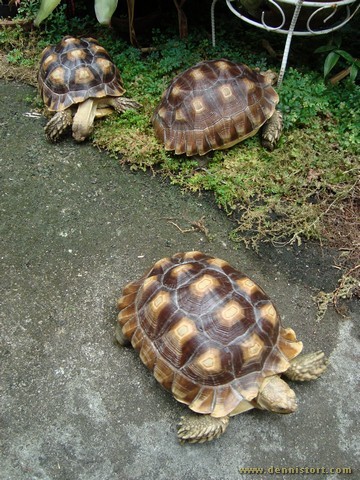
306,189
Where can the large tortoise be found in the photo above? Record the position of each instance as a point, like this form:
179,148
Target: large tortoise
216,104
78,81
214,339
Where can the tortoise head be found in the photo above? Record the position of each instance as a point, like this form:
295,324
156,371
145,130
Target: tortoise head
271,77
276,396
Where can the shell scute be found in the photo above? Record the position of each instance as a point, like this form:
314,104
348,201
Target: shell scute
178,342
211,364
204,400
163,373
227,399
183,388
208,332
127,319
148,353
156,315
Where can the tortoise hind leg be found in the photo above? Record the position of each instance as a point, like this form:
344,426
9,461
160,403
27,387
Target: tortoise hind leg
57,125
271,131
307,367
120,337
201,428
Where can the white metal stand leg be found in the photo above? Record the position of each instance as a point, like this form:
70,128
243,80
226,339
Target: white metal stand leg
288,41
213,22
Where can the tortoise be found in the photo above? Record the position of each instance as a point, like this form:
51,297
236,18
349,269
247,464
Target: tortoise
216,104
78,81
213,338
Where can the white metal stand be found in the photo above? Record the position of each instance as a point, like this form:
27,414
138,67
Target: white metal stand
347,8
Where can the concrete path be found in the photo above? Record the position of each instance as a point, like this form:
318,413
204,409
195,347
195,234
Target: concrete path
75,228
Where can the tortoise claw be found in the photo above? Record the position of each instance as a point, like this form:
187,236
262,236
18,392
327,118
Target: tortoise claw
271,131
57,125
201,428
121,104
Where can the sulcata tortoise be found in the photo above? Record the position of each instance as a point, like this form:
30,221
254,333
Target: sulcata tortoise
214,339
216,104
78,81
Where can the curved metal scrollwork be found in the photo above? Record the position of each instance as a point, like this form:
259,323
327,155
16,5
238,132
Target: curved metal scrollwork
314,20
283,17
312,10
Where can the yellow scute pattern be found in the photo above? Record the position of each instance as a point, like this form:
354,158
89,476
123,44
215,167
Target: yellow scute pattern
230,314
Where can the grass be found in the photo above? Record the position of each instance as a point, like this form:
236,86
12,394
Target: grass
306,189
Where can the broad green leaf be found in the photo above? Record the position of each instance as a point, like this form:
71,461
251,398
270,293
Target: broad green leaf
330,62
353,72
345,55
104,10
46,7
324,49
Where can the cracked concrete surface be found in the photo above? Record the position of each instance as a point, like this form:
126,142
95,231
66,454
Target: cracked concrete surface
75,228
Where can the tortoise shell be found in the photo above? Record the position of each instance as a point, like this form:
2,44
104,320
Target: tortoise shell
213,105
74,70
209,334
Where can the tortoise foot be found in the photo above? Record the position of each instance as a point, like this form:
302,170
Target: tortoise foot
201,428
271,131
57,125
121,104
307,367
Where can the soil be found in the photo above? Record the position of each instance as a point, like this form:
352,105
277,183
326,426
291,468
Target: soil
76,227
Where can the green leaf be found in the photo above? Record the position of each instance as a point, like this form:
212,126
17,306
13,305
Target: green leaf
330,62
104,10
345,55
46,7
324,49
353,72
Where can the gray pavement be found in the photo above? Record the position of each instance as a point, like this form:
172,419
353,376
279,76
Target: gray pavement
76,226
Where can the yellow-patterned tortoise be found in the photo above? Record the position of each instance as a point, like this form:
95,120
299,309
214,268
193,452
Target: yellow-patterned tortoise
78,81
216,104
214,339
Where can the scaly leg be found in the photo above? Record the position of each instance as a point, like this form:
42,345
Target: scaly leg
201,428
57,125
307,367
271,131
121,104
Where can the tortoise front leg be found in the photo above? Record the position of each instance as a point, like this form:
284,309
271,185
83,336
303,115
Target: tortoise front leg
57,125
201,428
121,104
307,367
271,131
83,122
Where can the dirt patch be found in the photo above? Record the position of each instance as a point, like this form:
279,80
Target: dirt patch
9,71
342,227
